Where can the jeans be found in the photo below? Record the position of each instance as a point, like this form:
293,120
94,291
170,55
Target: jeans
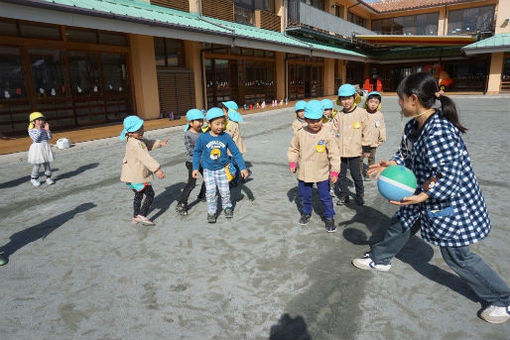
305,195
469,266
190,185
371,159
351,163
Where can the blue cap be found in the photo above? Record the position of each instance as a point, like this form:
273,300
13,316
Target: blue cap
346,90
373,94
233,111
131,124
327,103
314,109
193,114
214,112
300,105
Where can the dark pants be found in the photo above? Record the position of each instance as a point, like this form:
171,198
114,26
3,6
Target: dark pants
190,185
371,159
351,163
305,195
469,266
138,208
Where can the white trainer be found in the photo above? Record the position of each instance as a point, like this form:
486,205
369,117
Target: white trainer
495,314
143,220
366,263
49,181
35,182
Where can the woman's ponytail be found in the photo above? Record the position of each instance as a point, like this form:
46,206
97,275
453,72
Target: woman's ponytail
449,111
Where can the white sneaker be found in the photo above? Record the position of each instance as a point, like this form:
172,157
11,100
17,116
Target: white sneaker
143,220
366,263
495,314
49,181
35,182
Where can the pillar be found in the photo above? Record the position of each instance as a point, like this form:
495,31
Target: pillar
329,76
493,87
281,82
443,22
192,53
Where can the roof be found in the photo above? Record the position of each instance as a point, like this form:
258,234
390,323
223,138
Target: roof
401,5
417,39
497,43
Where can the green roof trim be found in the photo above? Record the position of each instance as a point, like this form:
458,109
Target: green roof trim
497,43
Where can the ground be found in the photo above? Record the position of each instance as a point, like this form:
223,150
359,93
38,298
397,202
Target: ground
79,269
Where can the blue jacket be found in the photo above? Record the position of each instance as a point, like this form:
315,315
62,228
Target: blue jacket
211,152
455,214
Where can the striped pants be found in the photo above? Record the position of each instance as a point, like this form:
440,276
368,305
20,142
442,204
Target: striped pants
213,179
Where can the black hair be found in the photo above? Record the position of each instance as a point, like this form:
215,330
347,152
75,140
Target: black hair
374,95
425,87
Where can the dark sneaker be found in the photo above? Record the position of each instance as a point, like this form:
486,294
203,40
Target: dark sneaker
367,179
229,213
330,225
211,218
181,209
342,200
304,219
3,260
201,197
360,200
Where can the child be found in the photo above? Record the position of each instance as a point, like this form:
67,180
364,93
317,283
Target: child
192,130
327,122
375,133
231,111
448,203
138,167
350,125
313,151
210,153
299,122
40,151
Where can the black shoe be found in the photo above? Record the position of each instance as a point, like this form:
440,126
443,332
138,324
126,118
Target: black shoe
330,225
181,209
201,197
211,218
360,200
304,219
342,200
229,213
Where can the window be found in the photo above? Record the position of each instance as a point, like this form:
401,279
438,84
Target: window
30,30
422,24
471,20
114,72
48,72
169,52
8,27
355,19
78,35
110,38
243,15
266,5
339,10
315,3
84,71
12,84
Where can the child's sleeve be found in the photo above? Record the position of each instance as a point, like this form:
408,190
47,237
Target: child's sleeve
236,154
188,145
145,158
333,155
293,151
152,144
34,134
197,152
382,131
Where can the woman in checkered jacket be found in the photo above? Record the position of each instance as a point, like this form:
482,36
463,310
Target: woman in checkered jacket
448,205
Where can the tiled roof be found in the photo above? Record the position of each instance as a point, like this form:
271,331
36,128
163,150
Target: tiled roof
400,5
498,43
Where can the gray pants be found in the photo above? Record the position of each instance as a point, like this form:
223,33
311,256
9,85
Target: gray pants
36,167
469,266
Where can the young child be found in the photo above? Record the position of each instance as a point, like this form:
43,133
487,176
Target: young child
210,153
375,133
314,153
350,125
231,111
192,130
327,122
448,203
40,151
299,122
138,167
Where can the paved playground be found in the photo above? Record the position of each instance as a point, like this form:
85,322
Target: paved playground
78,269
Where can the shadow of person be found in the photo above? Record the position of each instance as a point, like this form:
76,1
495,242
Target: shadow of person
22,238
17,181
293,196
289,328
236,192
77,171
163,201
417,253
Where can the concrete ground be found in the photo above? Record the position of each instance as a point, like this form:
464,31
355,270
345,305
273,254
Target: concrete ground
78,268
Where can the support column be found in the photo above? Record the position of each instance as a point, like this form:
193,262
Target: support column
443,22
281,81
342,70
145,80
193,62
329,77
496,68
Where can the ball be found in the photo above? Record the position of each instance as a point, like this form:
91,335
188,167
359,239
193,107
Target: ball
396,182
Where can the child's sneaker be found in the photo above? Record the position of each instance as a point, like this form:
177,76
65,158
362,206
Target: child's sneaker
35,182
49,181
229,213
360,200
495,314
330,225
366,179
211,218
181,209
366,263
332,192
144,220
3,260
134,220
201,197
304,219
342,200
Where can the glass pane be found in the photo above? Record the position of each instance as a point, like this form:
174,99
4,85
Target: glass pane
39,31
48,72
12,84
81,35
174,51
243,16
159,47
84,73
115,73
113,39
505,75
8,28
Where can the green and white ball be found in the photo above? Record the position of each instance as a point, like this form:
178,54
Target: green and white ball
396,182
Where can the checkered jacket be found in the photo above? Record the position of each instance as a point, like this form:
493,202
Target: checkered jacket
455,214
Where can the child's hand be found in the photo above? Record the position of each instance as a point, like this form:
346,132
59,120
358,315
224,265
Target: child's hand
376,169
47,126
245,173
194,174
366,154
160,174
333,177
292,167
164,142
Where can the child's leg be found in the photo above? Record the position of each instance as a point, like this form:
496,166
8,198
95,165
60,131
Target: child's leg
362,166
189,186
223,188
137,202
356,176
149,198
326,200
201,194
394,240
210,191
478,275
35,171
305,195
371,158
47,169
342,178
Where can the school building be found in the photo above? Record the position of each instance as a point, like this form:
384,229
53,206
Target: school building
89,62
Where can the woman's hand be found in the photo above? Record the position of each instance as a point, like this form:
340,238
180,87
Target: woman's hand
415,199
376,169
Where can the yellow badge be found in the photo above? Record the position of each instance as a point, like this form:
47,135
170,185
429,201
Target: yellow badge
356,125
142,145
321,146
215,154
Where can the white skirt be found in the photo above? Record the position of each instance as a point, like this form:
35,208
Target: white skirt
40,153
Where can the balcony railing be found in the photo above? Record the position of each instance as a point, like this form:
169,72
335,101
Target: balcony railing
301,14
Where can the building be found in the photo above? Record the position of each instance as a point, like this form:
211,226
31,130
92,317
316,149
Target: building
96,61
